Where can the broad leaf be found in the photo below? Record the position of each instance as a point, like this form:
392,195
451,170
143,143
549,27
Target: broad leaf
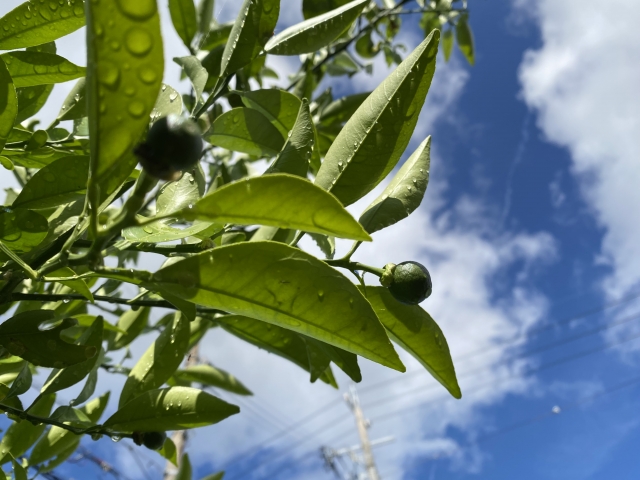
132,322
414,330
74,106
253,27
169,102
79,285
21,384
31,100
246,130
58,440
160,361
38,68
373,140
159,232
312,8
175,408
183,16
213,377
464,37
39,24
317,32
122,86
403,195
8,103
347,361
60,182
66,377
197,74
276,200
296,153
279,106
341,110
24,337
19,437
284,286
22,230
186,191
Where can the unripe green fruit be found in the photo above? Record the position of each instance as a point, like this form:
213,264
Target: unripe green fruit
408,282
173,145
154,440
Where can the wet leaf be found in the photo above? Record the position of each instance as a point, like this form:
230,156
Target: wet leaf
169,102
9,102
78,285
22,230
341,110
186,191
217,36
19,437
279,106
197,74
159,232
213,377
374,139
31,100
174,408
183,16
75,105
38,68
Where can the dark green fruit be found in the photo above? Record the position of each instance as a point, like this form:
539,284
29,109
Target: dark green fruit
173,145
154,440
408,282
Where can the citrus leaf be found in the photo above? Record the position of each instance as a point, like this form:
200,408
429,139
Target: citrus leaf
19,437
183,16
284,286
254,25
374,138
132,322
22,230
22,336
464,37
21,384
447,44
66,377
279,106
60,182
9,102
169,451
341,110
213,377
317,32
403,195
122,87
31,100
279,200
74,106
39,24
325,243
295,155
174,408
346,361
205,15
185,470
38,68
181,193
169,102
5,399
160,361
414,330
217,36
79,285
196,73
312,8
246,130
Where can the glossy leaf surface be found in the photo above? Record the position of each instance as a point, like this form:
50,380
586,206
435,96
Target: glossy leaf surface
212,376
132,322
22,230
38,68
403,195
373,140
175,408
183,16
279,106
284,286
275,200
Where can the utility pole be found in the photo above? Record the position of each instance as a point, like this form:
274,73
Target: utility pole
367,455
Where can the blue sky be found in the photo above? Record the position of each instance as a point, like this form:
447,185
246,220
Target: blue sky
529,221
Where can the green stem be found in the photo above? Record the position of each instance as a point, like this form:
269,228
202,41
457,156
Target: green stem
354,266
31,273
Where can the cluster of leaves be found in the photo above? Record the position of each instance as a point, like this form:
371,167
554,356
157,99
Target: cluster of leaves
230,236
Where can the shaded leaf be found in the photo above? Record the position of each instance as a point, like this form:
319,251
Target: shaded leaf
19,437
8,103
317,32
312,8
39,68
185,470
197,74
447,44
78,285
284,286
326,243
217,36
132,322
183,16
347,361
205,15
373,140
169,451
403,195
31,100
213,377
174,408
21,384
341,110
75,105
276,200
464,37
279,106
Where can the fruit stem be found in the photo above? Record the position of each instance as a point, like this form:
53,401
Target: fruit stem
355,266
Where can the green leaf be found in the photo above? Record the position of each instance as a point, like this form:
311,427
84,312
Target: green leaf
464,37
85,320
169,451
22,230
160,361
246,130
66,377
132,322
447,44
318,361
317,32
5,399
341,110
21,384
122,87
183,16
19,437
284,286
217,36
74,106
31,100
58,183
184,472
23,337
58,440
414,330
197,74
214,476
39,24
169,102
175,408
297,150
373,140
279,106
276,200
403,195
159,232
312,8
213,377
35,159
19,472
38,68
9,103
181,193
253,27
78,285
326,243
205,15
347,361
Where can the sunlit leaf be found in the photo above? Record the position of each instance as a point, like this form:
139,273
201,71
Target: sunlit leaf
374,139
197,74
279,106
22,230
181,193
38,68
31,100
78,284
183,16
169,102
213,377
185,470
19,437
169,451
132,322
75,105
447,44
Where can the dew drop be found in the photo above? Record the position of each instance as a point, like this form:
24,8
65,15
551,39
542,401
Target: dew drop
138,41
164,87
138,9
115,45
40,69
116,438
321,295
173,96
78,11
147,75
136,109
108,74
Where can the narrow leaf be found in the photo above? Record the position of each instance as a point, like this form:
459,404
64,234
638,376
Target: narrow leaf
132,322
312,8
8,103
75,105
341,110
185,471
38,68
213,377
78,285
317,32
175,408
205,15
159,232
276,200
197,74
447,44
373,140
183,16
279,106
464,37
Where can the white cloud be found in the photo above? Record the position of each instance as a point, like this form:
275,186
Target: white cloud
581,81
